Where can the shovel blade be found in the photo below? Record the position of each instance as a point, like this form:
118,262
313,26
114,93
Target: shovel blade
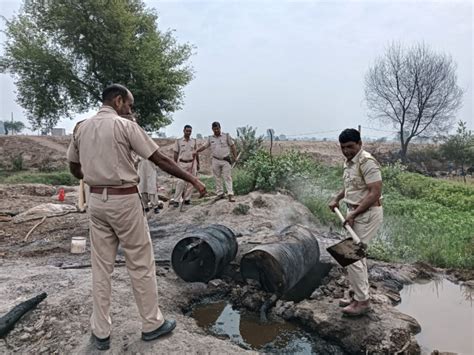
347,252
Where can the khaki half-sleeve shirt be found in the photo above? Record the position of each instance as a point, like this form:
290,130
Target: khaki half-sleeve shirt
185,148
363,169
220,146
103,145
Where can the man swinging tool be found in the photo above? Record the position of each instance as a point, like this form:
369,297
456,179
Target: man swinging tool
362,193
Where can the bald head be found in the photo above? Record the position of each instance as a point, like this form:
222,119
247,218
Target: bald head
118,97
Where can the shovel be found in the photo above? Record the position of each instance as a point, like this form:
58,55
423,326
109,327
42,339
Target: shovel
349,250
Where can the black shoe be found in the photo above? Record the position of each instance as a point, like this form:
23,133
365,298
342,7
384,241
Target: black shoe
166,328
101,344
147,209
187,202
156,210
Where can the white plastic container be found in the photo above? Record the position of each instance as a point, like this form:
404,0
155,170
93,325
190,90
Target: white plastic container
78,245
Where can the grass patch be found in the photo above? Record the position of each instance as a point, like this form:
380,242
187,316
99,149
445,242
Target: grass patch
61,177
209,182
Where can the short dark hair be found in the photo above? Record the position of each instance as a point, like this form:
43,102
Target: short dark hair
216,124
114,90
349,135
187,126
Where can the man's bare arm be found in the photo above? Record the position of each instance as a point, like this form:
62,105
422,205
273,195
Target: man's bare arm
75,169
335,202
374,194
375,191
201,148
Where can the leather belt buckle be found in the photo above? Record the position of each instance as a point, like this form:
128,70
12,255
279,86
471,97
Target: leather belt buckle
114,190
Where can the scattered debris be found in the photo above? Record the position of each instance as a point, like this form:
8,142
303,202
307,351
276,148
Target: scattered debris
44,210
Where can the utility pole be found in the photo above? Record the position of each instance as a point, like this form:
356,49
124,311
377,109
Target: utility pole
360,129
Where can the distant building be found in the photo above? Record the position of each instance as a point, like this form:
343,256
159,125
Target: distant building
58,131
2,129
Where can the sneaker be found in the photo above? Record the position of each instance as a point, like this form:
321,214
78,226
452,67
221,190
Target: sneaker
166,328
231,198
101,344
357,308
187,202
156,210
346,301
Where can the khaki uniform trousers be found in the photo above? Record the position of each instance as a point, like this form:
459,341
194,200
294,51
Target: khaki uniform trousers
366,226
222,169
182,184
120,219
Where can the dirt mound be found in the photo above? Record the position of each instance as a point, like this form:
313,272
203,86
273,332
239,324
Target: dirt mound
10,191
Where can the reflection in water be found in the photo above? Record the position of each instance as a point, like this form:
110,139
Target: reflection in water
246,330
445,312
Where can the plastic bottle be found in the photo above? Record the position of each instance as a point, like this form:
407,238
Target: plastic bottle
61,195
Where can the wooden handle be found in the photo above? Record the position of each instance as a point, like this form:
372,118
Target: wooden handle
348,227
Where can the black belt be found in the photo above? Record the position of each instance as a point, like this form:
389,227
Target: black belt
186,161
115,190
227,159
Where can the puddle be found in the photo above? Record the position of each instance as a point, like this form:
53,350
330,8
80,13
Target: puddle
245,329
445,312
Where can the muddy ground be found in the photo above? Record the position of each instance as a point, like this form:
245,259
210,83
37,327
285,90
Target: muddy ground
61,323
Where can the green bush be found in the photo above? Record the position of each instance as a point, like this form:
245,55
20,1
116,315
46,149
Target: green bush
63,177
17,162
209,182
270,173
243,181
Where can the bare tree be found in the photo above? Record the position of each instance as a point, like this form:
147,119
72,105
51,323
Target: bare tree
415,90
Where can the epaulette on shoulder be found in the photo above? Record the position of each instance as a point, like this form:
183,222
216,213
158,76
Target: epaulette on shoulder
76,127
365,157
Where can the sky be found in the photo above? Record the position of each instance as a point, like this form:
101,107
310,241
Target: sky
295,66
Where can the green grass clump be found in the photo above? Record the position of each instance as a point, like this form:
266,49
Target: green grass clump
62,177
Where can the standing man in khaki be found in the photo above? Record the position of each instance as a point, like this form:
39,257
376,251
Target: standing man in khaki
221,146
362,193
183,156
101,153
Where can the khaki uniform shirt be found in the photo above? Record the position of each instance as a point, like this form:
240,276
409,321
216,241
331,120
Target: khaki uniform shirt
363,169
103,146
220,146
185,148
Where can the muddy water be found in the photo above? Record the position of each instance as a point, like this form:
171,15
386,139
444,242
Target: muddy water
445,312
246,330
